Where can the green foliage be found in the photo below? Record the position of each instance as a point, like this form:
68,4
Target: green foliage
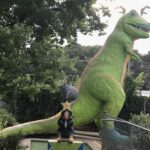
11,143
58,19
144,121
133,86
6,119
144,67
134,102
81,55
139,81
30,69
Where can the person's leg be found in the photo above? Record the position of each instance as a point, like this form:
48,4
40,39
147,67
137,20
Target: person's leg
71,135
59,136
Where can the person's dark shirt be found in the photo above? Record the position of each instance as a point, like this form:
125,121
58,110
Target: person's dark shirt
65,124
65,127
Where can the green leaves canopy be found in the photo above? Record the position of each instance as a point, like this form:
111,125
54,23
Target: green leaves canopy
59,19
29,68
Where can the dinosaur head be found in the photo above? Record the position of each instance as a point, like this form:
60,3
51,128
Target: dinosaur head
135,26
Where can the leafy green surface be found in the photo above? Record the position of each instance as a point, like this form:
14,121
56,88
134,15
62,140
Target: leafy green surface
58,19
144,121
6,119
37,145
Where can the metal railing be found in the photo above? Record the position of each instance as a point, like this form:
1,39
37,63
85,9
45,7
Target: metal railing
118,134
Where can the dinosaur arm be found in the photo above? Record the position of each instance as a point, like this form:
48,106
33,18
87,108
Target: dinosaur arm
128,49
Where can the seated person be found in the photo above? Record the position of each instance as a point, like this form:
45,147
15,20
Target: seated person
65,124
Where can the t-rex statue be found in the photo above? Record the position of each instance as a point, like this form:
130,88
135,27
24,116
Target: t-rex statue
101,83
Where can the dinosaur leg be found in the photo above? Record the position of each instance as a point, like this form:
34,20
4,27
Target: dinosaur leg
113,100
111,96
107,91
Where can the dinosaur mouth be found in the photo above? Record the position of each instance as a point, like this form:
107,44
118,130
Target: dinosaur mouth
141,27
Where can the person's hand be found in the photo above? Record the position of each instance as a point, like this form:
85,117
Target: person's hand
70,140
59,140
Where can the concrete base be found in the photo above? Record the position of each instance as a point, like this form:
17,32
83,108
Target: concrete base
54,145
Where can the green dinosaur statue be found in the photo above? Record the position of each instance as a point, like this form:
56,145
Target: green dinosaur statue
101,83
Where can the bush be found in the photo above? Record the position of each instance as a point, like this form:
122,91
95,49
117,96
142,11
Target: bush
6,119
144,121
11,143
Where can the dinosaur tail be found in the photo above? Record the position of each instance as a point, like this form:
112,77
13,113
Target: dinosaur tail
81,116
34,127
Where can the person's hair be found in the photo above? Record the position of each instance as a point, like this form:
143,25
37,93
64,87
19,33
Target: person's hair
64,111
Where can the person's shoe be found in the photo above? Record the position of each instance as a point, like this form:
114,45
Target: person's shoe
70,140
59,140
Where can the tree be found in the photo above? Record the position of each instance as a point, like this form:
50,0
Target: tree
144,67
59,19
30,70
134,102
81,55
142,120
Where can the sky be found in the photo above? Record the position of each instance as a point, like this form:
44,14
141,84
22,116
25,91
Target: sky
142,45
